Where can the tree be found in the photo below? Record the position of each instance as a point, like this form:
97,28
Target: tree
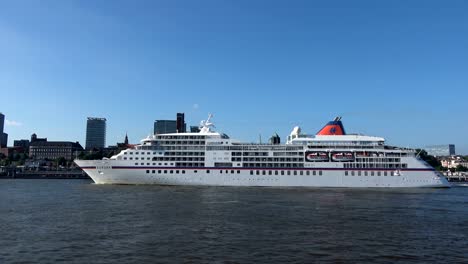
5,162
110,154
431,160
61,161
91,155
461,168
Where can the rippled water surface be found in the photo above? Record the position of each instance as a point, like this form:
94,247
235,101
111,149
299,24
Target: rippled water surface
44,221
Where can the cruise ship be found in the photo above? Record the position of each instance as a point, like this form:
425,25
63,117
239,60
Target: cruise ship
330,158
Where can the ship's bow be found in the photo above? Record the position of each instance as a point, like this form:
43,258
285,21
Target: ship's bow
89,167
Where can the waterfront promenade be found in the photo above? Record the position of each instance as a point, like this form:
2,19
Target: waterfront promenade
51,174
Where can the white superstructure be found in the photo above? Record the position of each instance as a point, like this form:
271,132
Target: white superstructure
329,159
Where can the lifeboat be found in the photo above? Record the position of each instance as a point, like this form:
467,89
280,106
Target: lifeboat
317,156
342,156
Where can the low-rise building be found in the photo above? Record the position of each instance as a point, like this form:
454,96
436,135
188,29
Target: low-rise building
34,138
453,162
23,143
54,149
12,151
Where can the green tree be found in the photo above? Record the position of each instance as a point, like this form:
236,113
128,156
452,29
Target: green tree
5,162
461,168
431,160
91,155
61,161
110,154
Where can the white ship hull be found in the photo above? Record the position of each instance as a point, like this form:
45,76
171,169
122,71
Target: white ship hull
102,172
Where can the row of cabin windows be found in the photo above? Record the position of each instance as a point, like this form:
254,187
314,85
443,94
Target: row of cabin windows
180,137
232,171
264,154
370,173
174,171
181,147
375,165
308,173
381,160
257,148
142,153
282,172
136,158
273,159
161,143
178,159
168,153
168,159
189,164
154,164
341,147
165,171
274,165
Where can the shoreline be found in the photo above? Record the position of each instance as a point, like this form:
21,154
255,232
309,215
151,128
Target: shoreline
47,175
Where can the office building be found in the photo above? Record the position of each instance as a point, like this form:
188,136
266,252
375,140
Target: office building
441,150
2,122
34,138
23,143
194,129
95,133
165,126
180,123
171,126
54,149
3,136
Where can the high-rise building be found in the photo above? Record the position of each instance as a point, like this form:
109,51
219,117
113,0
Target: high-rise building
165,126
95,133
2,122
180,123
3,136
171,126
441,150
194,129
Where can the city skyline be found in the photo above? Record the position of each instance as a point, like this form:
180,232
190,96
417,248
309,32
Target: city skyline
396,70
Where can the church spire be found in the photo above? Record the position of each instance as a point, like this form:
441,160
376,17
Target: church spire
126,139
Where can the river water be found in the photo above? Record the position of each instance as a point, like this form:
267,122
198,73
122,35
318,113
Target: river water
75,221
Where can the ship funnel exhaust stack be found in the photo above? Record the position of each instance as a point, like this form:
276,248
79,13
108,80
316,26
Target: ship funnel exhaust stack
333,128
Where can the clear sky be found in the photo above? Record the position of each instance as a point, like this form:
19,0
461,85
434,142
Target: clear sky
396,69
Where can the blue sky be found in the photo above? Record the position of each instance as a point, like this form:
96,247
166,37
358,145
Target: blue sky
396,69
